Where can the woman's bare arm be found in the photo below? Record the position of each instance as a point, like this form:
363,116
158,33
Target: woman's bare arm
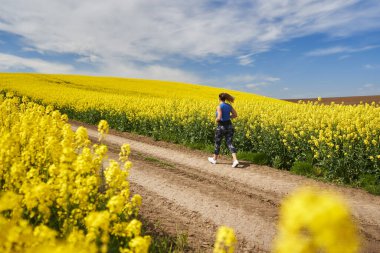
234,114
219,110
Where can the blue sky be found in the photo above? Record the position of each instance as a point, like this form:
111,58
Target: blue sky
276,48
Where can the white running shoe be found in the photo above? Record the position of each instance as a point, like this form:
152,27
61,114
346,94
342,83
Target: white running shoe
212,160
235,164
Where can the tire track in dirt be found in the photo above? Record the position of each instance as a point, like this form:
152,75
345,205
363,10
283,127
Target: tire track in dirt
246,199
207,204
169,218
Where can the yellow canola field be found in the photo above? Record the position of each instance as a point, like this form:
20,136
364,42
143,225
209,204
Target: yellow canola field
341,142
53,197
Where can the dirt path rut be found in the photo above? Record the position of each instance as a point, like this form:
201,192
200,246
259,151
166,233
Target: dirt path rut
183,193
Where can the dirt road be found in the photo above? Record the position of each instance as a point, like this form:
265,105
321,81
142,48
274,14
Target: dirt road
183,193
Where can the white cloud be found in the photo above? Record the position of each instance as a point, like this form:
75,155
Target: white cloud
271,79
256,85
11,62
241,78
371,66
252,81
369,89
339,49
328,51
343,57
252,78
286,89
91,58
150,31
30,49
155,72
245,60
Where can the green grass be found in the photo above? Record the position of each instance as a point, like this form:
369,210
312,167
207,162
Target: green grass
256,158
370,183
162,242
155,161
302,168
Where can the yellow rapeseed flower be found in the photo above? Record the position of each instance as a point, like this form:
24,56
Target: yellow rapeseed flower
103,129
225,240
314,221
51,175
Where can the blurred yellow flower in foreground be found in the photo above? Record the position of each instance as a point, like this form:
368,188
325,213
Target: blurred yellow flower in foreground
225,240
314,221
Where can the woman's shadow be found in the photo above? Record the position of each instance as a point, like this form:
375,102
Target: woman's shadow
241,165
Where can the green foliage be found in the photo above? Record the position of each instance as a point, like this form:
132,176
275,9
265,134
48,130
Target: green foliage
277,162
371,183
302,168
256,158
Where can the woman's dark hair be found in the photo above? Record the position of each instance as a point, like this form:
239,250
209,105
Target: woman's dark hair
225,96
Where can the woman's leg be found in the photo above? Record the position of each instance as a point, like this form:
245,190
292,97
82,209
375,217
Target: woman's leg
218,140
229,138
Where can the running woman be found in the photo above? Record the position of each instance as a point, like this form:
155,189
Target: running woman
224,113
